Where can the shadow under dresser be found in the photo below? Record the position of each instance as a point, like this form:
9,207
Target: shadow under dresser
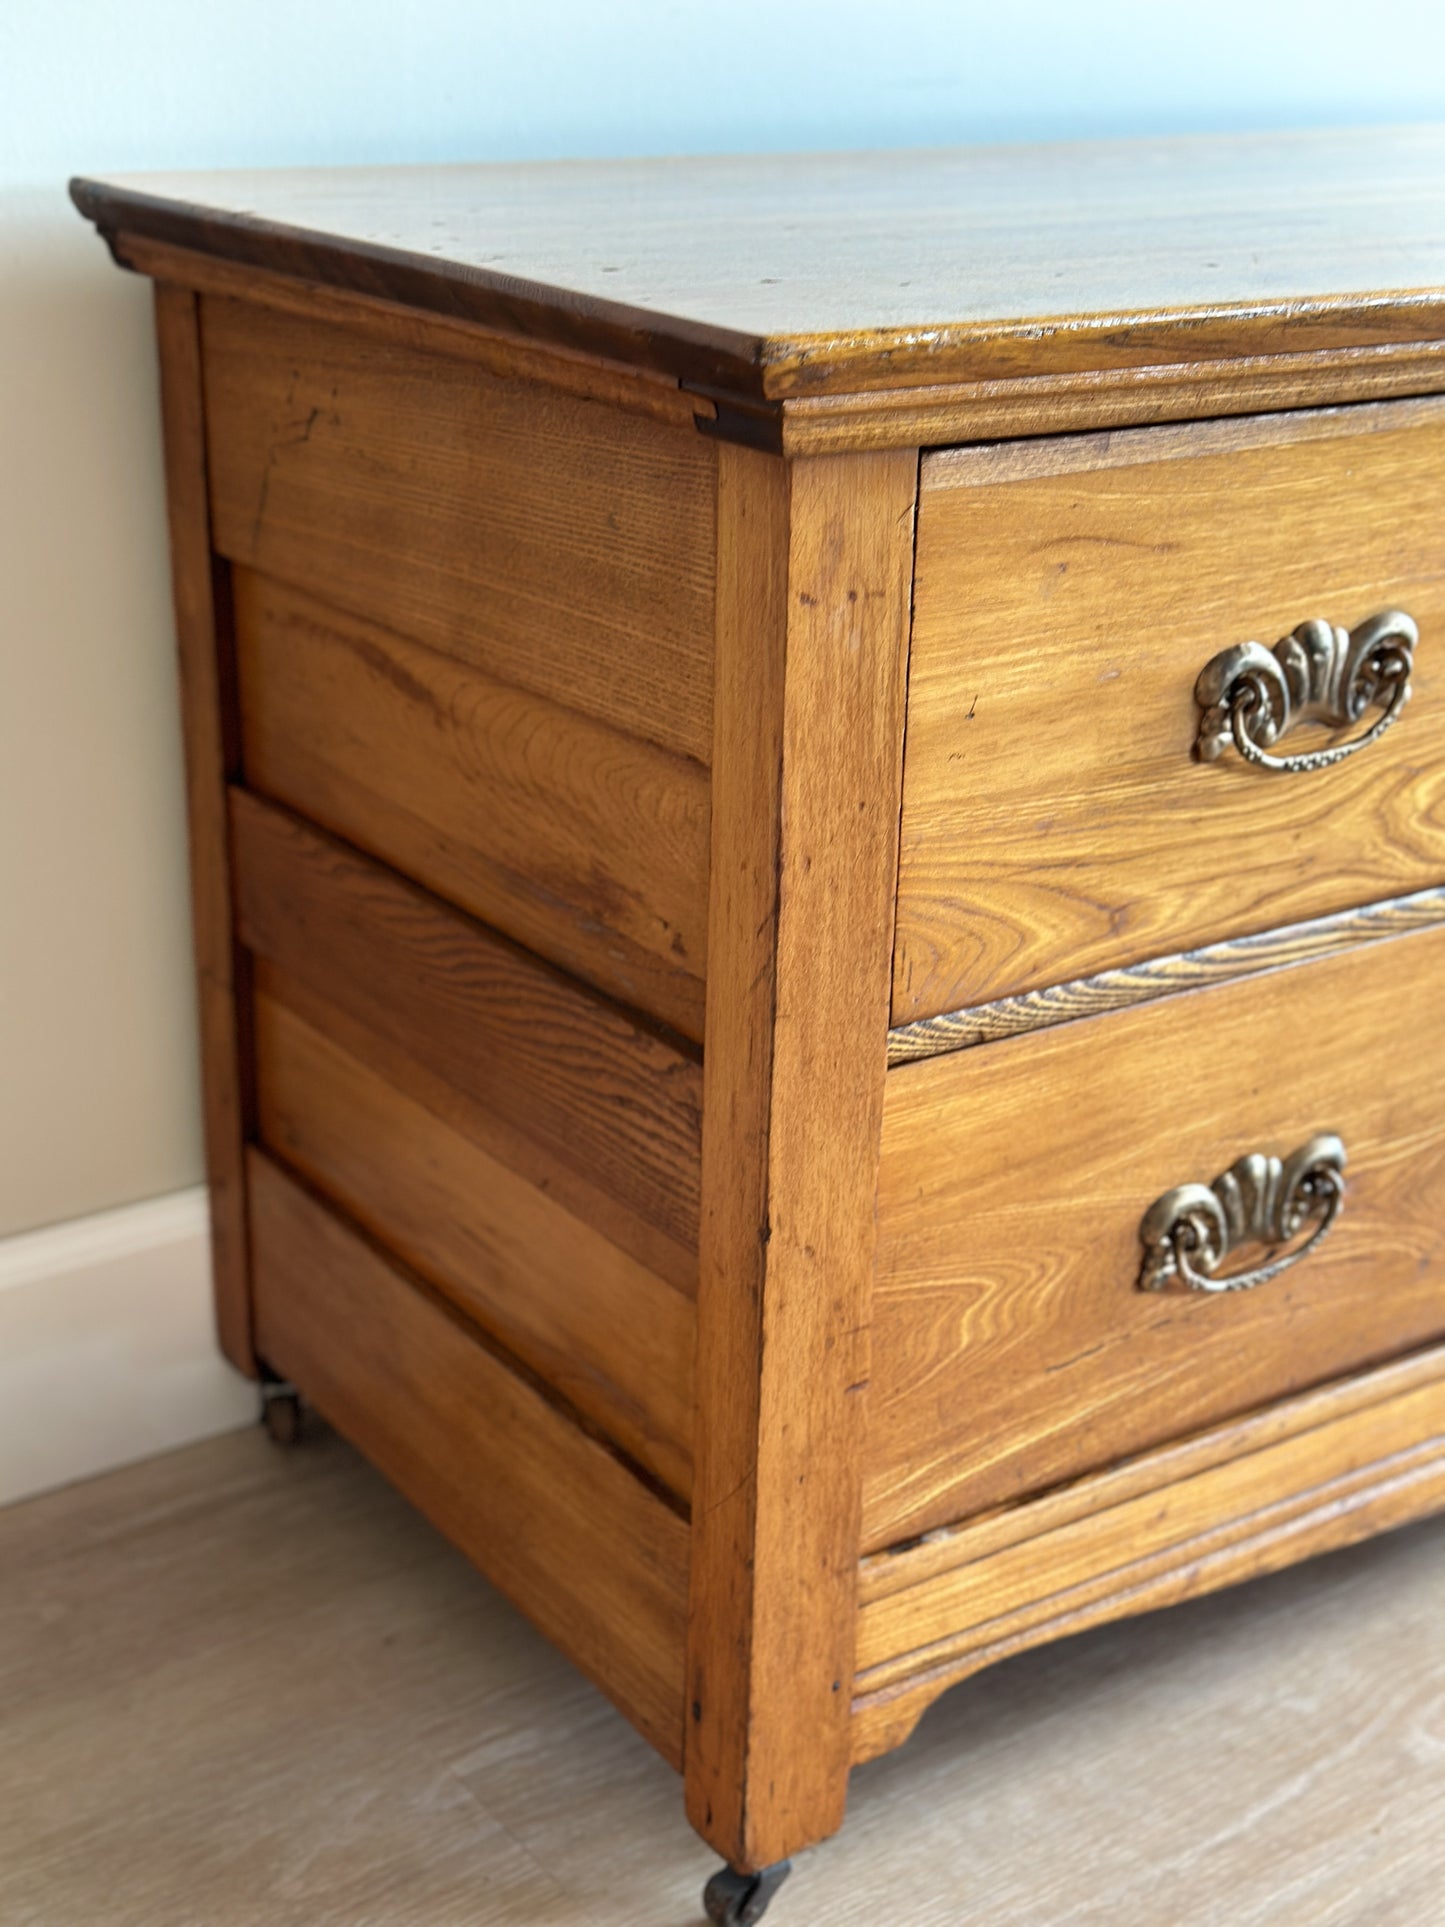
817,806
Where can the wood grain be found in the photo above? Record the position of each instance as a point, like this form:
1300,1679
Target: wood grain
511,357
577,1074
1319,1471
587,845
614,1339
1056,404
209,734
1142,983
554,543
934,413
897,1569
547,1166
1067,597
812,274
814,565
1011,1346
595,1560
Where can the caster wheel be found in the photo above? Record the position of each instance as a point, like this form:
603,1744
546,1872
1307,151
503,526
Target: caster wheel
281,1416
739,1899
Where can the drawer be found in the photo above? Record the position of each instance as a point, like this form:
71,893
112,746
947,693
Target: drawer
1013,1346
1068,594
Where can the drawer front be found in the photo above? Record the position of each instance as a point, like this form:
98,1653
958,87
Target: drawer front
587,845
1013,1346
1069,593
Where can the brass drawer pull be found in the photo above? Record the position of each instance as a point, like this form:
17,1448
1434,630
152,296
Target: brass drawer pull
1251,695
1189,1232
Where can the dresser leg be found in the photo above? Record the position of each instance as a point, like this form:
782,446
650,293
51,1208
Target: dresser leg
738,1899
280,1409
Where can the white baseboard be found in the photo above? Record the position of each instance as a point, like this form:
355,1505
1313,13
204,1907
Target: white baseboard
107,1345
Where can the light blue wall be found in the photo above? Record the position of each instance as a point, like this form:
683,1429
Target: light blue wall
97,1099
163,83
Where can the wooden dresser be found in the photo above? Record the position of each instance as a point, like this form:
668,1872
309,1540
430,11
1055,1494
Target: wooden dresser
817,800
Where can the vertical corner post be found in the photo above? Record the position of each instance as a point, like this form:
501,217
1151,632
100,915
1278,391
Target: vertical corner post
814,588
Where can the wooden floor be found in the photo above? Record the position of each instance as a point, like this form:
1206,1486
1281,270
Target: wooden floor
244,1686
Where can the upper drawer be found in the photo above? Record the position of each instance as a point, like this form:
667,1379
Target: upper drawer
1068,595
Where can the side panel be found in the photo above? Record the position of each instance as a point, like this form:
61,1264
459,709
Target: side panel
553,543
584,1080
596,1560
578,839
614,1338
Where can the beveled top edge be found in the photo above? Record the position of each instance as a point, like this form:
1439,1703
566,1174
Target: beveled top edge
450,289
797,275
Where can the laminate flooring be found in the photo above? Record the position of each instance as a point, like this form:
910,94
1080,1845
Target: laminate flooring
244,1687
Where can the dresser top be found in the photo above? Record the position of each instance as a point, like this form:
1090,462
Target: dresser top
806,275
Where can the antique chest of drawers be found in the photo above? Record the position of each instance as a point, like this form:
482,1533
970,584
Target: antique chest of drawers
817,797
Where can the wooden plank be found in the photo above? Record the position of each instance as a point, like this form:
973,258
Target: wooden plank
208,725
935,413
1320,1471
585,844
1141,983
1058,404
556,544
614,1339
559,1065
1012,1348
815,274
814,569
1065,454
512,357
920,1561
1056,823
596,1560
546,1167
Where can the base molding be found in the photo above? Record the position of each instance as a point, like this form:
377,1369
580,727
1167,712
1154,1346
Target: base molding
107,1344
1312,1473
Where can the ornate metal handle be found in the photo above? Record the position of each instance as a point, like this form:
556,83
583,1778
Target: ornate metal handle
1251,695
1189,1232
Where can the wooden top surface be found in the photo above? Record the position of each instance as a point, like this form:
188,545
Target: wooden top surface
814,274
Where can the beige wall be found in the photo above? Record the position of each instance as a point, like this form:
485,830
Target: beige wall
97,1083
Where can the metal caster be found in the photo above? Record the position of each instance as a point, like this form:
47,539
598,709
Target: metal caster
734,1899
281,1414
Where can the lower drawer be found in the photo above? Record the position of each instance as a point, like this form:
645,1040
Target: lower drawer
1013,1345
